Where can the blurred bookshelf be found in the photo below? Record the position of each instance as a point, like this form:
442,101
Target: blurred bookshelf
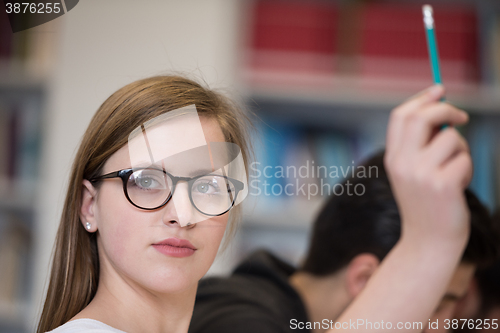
323,76
26,60
322,93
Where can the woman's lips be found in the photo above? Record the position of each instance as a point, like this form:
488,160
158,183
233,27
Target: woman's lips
175,247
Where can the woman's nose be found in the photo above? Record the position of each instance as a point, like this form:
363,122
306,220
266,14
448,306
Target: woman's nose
179,209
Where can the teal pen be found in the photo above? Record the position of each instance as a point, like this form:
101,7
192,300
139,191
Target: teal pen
432,46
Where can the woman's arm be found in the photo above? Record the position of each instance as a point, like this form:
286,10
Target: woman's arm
429,170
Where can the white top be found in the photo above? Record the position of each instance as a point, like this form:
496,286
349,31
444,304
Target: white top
85,325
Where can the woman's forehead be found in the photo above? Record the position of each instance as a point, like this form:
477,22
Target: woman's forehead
166,135
167,140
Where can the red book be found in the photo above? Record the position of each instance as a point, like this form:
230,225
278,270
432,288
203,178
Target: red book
394,42
293,35
311,42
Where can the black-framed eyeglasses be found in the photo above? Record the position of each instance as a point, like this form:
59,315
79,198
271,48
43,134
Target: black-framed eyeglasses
150,189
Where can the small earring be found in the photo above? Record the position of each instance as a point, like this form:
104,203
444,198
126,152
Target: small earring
88,225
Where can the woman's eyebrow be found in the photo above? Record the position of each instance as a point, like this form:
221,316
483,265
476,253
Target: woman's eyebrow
147,165
192,173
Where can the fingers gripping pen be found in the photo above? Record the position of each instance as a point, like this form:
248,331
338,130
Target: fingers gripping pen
432,45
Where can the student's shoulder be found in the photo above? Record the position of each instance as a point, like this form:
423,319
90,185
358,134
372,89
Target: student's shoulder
226,293
240,314
237,295
235,304
235,286
238,322
257,297
85,325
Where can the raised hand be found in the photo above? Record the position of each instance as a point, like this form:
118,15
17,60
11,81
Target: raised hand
429,168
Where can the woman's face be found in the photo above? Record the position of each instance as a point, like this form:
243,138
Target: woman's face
129,238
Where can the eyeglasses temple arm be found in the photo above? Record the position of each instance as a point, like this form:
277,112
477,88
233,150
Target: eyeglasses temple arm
106,176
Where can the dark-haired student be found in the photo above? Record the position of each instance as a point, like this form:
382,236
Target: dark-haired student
351,236
479,310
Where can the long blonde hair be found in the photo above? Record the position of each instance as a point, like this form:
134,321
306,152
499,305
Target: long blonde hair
74,275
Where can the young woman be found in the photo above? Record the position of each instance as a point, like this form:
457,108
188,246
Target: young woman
124,259
126,262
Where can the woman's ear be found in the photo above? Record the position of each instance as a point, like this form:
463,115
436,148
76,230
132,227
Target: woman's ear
87,209
359,271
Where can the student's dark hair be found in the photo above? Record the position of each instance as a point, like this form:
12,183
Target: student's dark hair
349,225
489,287
488,279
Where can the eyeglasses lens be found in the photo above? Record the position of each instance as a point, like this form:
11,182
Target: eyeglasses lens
150,188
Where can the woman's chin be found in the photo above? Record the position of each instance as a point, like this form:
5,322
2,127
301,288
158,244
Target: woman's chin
175,287
173,283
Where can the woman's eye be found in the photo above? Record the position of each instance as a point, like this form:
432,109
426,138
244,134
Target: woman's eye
147,183
202,188
205,187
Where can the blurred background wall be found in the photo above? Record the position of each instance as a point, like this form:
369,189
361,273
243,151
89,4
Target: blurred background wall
321,77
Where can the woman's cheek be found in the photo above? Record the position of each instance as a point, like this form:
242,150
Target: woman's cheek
121,234
213,232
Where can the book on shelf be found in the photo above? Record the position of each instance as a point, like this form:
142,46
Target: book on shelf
19,143
393,43
29,51
28,147
13,46
269,144
317,160
14,248
5,37
496,182
495,49
4,141
298,163
482,135
314,42
293,36
12,143
487,27
335,152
